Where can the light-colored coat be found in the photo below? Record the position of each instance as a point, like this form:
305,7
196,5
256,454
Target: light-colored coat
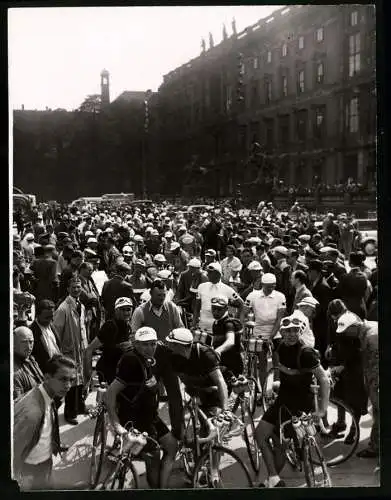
71,331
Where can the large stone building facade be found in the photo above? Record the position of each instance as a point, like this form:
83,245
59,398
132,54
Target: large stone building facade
300,83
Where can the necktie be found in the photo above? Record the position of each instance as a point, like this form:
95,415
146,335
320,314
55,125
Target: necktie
78,307
55,429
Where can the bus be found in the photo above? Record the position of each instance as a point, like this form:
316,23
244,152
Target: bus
118,197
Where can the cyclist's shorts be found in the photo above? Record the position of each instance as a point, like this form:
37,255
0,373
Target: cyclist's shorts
272,414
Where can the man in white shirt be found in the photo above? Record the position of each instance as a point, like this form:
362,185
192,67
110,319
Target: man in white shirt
206,291
269,308
36,434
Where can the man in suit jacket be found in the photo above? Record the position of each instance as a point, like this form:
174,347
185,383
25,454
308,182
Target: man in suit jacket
36,434
323,294
90,298
45,275
188,283
299,281
117,287
27,373
46,342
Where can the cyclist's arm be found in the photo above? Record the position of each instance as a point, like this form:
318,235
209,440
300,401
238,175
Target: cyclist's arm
228,344
111,403
324,388
197,310
218,379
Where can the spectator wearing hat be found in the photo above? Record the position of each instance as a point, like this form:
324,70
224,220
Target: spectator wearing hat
214,286
140,251
188,283
118,285
329,275
245,275
90,298
38,228
177,258
72,270
339,269
256,271
69,324
28,247
138,279
211,233
283,272
364,335
293,261
323,294
210,257
268,306
299,282
159,261
263,257
167,277
44,271
113,333
110,255
354,288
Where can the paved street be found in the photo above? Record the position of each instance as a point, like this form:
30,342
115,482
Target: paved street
71,472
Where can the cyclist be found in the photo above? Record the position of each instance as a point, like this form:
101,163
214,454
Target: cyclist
133,396
198,367
297,364
225,338
110,337
269,307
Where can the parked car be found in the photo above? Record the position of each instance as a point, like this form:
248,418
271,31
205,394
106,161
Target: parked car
368,234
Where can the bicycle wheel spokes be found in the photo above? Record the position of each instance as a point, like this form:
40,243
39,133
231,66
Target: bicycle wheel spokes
315,468
252,395
98,450
227,471
188,451
343,434
249,438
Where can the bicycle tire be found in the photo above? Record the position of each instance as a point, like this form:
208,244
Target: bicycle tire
249,438
348,452
266,402
188,468
121,471
221,449
98,446
309,463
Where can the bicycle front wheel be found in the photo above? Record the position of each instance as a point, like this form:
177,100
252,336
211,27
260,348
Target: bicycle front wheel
251,396
316,476
125,477
249,438
98,450
338,446
228,471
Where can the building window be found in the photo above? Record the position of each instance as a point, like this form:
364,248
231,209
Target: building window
354,54
352,115
300,82
284,50
284,130
269,56
302,125
255,61
320,73
268,90
284,86
301,42
353,18
319,35
319,122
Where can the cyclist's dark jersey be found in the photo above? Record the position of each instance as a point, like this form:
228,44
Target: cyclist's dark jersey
137,402
295,389
230,359
196,370
112,335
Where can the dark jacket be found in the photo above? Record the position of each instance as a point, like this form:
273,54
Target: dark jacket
352,289
323,294
27,375
39,350
112,290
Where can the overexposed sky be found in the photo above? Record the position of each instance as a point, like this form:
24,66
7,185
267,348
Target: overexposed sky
56,54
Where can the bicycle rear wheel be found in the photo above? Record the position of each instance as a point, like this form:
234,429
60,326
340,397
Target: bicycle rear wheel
188,451
316,473
98,450
231,472
335,447
125,477
249,437
270,388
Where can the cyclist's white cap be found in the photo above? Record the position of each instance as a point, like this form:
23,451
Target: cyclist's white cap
144,334
180,336
268,279
195,263
92,240
159,257
308,301
347,320
215,266
164,274
254,266
123,302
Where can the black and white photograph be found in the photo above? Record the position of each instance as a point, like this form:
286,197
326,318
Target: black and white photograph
194,236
